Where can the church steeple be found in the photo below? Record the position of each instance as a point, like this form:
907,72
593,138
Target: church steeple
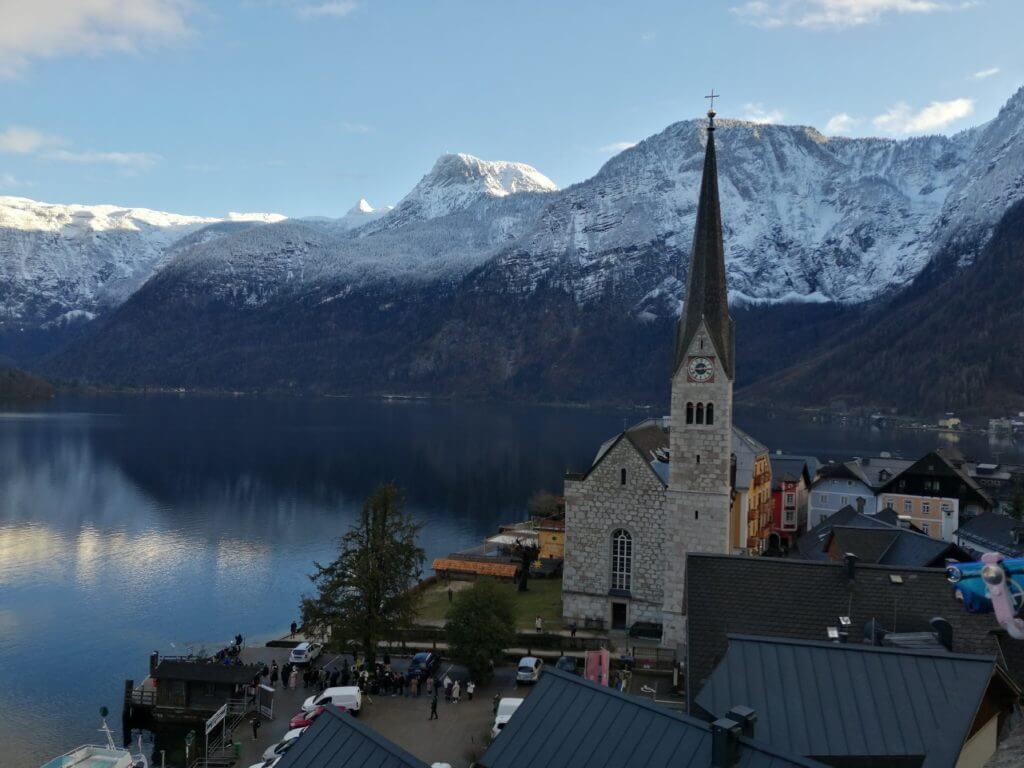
707,297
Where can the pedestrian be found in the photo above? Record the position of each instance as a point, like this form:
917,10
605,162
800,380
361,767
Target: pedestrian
495,702
255,728
295,628
539,625
293,678
433,707
450,593
456,692
414,687
430,686
305,677
447,689
470,687
273,675
572,630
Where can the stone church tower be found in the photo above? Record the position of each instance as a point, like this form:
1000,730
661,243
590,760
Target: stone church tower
700,436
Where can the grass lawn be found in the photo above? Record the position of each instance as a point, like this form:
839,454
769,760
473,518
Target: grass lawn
544,598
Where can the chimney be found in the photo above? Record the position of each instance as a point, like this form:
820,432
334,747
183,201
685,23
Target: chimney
725,745
944,632
860,505
850,560
154,661
746,717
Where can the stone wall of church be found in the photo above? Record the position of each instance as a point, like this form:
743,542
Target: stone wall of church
594,509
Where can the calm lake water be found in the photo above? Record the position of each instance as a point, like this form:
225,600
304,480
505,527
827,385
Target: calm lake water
157,523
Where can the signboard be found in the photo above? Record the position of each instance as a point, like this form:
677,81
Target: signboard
267,701
216,719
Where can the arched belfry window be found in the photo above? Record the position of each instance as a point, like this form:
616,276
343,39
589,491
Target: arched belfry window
700,413
622,560
709,414
689,413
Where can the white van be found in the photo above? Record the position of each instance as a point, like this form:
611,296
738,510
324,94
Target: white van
347,696
506,708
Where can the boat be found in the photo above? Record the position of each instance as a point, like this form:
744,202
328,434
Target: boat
100,756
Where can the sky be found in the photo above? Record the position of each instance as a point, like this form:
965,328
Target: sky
301,107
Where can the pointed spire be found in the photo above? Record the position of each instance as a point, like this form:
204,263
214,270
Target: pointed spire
707,297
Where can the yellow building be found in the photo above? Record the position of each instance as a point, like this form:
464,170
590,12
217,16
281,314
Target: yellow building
551,539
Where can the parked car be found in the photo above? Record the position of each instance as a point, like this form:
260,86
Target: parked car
506,708
276,750
347,696
528,670
305,653
567,664
423,665
305,719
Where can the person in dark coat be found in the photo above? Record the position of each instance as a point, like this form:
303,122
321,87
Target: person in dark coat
433,707
273,674
294,627
255,728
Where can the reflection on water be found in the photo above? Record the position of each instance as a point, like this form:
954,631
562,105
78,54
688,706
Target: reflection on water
134,524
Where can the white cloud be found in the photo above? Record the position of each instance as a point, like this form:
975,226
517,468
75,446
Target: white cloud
986,73
756,113
52,28
616,146
901,119
25,141
335,9
356,128
10,181
135,161
834,13
841,123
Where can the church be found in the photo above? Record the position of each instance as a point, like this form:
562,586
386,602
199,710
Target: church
662,488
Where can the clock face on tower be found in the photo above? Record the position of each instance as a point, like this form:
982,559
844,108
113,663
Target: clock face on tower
700,369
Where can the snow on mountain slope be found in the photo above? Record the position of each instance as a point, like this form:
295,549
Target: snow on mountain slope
457,181
358,215
67,262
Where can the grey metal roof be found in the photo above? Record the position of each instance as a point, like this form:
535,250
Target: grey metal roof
835,700
800,599
992,532
206,672
811,546
570,722
338,740
789,468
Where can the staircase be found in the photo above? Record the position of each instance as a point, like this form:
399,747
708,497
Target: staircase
219,753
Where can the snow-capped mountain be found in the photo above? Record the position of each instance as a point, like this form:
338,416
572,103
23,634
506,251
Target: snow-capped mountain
65,263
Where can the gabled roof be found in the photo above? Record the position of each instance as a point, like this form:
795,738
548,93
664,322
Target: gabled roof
338,740
800,599
873,471
813,544
206,672
790,469
707,296
992,532
570,722
937,465
837,701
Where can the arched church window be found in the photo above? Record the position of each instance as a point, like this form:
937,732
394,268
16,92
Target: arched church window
622,560
700,413
622,476
689,413
709,414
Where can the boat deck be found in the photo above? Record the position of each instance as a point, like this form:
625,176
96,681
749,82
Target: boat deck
92,757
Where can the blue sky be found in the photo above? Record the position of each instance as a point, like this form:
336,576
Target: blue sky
303,106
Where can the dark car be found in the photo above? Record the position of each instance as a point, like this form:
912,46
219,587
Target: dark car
566,664
422,666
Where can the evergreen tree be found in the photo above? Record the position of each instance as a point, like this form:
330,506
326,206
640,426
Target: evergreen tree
364,593
481,625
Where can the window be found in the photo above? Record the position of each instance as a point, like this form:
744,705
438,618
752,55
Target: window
689,413
844,500
790,499
698,458
890,504
946,509
908,506
696,514
926,508
700,413
926,528
622,476
823,498
622,560
710,414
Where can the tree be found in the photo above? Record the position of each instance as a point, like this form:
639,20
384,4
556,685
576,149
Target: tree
527,552
364,594
481,625
544,504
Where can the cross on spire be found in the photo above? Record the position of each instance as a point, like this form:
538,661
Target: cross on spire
712,96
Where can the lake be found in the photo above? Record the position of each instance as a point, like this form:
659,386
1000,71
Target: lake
133,524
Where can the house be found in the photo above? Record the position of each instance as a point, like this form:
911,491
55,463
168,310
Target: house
1003,483
992,532
752,493
551,539
850,483
791,483
188,690
802,600
880,538
935,494
570,722
338,740
860,706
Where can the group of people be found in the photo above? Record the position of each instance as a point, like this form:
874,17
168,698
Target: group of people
319,679
453,690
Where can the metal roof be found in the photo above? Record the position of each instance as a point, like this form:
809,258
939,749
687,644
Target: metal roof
992,532
338,740
570,722
834,700
206,671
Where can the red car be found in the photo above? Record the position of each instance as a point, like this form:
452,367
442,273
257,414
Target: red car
301,720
